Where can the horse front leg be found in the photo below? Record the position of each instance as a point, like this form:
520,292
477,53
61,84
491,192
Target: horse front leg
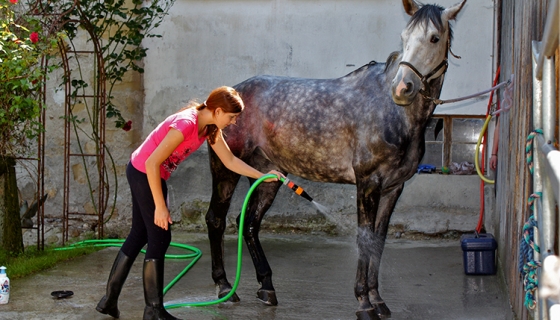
223,186
374,213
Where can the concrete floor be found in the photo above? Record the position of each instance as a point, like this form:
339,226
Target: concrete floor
313,277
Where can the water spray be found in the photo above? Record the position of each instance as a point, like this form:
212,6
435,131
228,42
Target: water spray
300,192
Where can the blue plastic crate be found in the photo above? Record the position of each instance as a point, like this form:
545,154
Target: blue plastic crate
479,253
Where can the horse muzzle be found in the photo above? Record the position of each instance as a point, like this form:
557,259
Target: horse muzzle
405,87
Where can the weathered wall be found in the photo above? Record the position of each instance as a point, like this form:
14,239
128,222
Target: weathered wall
206,44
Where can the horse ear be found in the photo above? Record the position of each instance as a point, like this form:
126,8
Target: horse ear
452,12
410,6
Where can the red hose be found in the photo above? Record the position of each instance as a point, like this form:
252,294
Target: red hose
485,143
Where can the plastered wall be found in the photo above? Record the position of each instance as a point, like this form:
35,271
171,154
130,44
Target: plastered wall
211,43
207,43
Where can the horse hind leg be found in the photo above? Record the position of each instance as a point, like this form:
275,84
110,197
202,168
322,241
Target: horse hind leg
259,203
224,182
261,200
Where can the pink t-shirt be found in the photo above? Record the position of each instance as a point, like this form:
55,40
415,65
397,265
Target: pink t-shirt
185,121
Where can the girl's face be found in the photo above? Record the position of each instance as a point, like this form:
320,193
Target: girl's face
224,119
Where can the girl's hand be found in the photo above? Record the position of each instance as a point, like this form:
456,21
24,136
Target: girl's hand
279,176
162,218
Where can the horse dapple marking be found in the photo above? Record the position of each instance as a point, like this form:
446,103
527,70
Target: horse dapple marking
366,128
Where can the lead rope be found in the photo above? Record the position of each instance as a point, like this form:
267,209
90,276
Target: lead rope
439,101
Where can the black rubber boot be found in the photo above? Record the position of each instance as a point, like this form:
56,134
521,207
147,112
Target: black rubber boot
153,291
119,272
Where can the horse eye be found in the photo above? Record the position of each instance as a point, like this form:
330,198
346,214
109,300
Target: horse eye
434,39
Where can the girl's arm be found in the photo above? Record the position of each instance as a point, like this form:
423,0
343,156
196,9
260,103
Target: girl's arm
237,165
174,137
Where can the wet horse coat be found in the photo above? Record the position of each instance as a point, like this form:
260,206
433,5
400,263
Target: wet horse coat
366,128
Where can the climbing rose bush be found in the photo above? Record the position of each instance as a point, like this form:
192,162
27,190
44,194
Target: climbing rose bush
23,45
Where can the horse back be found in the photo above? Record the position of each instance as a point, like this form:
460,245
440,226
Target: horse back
322,129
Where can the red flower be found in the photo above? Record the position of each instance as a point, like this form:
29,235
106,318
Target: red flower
34,36
127,126
13,1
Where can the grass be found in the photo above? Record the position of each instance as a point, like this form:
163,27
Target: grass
33,260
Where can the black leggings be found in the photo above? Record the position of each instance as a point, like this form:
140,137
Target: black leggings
143,230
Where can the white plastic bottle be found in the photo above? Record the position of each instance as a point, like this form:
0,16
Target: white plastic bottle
4,286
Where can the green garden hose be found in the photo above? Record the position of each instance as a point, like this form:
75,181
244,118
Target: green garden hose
195,256
239,252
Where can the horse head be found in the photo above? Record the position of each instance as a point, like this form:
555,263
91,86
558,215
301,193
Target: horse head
426,41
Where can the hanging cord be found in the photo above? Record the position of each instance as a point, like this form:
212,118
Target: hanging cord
529,148
528,266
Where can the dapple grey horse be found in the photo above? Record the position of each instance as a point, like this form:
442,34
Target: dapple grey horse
366,128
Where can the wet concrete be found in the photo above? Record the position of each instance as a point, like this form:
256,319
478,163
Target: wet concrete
313,277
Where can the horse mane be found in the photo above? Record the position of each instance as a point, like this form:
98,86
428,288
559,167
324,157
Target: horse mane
391,59
364,67
431,12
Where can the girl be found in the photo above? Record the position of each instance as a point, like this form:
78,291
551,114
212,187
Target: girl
150,166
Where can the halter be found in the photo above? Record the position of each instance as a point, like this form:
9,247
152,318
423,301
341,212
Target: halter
427,77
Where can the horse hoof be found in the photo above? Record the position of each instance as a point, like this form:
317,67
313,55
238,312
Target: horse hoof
382,311
267,297
233,298
369,314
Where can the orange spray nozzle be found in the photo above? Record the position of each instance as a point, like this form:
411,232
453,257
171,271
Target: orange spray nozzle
297,189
